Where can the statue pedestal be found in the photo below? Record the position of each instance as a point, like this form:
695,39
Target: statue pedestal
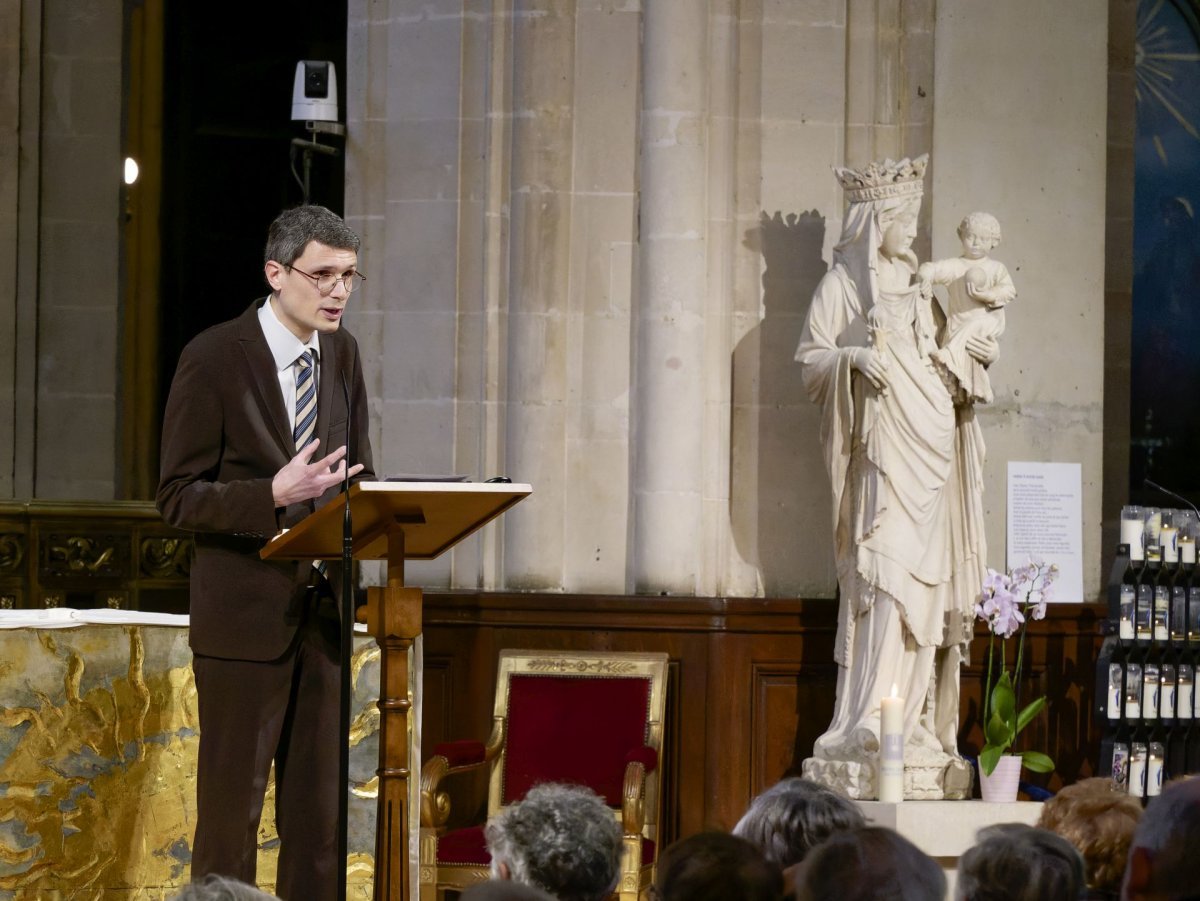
946,829
948,779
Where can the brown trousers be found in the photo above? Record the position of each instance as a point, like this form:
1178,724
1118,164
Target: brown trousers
251,713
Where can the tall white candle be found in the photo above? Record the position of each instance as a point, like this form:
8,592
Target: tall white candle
891,748
1184,695
1131,534
1168,537
1137,770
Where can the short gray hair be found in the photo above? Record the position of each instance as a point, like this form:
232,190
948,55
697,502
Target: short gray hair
221,888
794,815
293,229
562,839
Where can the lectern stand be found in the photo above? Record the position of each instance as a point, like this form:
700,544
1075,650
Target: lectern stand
396,521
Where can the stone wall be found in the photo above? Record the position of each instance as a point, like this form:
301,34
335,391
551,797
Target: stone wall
601,223
592,233
1020,132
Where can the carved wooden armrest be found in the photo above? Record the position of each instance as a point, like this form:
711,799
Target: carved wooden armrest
451,758
638,762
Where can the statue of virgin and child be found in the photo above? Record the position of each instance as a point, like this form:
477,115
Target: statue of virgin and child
896,379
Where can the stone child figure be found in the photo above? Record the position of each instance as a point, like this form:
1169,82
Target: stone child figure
905,465
979,289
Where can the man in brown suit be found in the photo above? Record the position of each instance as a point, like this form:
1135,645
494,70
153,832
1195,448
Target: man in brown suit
238,449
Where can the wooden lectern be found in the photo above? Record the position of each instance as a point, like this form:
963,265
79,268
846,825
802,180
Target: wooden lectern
396,521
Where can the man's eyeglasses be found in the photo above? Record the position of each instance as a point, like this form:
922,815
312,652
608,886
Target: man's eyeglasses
327,281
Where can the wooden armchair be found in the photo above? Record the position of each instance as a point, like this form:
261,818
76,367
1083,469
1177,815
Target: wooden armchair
588,718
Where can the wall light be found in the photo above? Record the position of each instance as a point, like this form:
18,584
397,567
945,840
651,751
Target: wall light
131,170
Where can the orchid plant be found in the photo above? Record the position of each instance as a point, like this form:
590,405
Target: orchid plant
1006,601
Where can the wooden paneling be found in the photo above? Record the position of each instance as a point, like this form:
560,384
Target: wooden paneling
751,684
115,554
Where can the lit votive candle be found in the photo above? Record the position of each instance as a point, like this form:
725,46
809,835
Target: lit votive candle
891,748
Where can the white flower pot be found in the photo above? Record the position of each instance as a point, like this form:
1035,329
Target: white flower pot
1002,784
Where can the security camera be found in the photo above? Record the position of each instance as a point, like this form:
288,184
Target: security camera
314,91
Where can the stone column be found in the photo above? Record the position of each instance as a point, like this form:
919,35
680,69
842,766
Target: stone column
483,239
540,211
17,281
603,225
669,376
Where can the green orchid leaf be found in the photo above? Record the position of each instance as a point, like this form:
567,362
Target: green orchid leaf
988,758
1034,708
1037,761
1004,702
999,732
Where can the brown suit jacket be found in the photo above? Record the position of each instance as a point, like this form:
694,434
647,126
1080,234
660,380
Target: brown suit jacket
225,435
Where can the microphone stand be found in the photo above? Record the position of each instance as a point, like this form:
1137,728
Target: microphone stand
347,650
1179,497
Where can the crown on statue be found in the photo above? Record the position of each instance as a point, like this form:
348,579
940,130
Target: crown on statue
879,181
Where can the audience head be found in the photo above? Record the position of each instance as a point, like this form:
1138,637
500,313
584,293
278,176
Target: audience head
1099,822
562,839
221,888
794,815
504,890
715,866
1163,857
870,863
1015,862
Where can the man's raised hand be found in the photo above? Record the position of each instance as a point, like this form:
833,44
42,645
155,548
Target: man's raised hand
301,480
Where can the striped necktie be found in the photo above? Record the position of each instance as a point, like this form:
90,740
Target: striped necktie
306,400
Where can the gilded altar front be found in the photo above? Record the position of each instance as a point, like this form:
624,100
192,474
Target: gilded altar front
98,738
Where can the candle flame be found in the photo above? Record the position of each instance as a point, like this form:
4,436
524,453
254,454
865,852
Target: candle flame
895,690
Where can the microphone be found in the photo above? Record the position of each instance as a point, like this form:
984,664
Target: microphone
347,523
346,479
1179,497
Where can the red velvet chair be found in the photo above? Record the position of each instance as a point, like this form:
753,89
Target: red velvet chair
587,718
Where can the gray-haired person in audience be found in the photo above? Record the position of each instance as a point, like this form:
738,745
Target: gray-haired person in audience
793,816
221,888
562,839
1163,859
1016,862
